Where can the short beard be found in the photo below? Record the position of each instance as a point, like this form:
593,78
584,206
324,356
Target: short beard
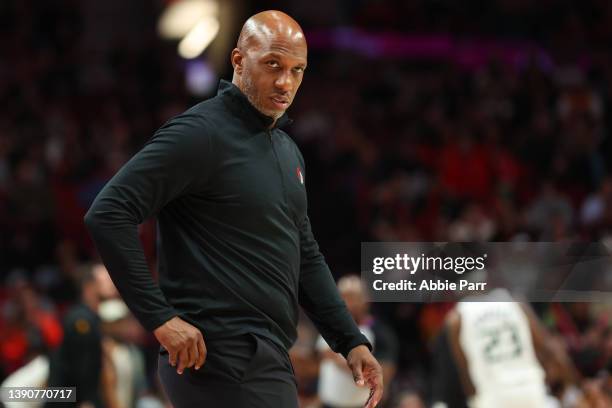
250,91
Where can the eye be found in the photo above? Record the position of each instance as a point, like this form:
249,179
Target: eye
273,64
299,69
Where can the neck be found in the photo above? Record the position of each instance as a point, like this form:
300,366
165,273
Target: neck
91,302
238,83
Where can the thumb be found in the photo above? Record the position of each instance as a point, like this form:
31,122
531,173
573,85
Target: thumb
358,374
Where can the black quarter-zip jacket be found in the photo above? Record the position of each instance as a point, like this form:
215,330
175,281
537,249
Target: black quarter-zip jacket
236,251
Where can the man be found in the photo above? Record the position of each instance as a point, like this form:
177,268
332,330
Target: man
78,360
237,253
336,388
501,350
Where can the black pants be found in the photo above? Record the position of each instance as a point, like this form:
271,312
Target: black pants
240,372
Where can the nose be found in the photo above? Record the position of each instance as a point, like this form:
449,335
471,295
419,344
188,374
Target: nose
284,81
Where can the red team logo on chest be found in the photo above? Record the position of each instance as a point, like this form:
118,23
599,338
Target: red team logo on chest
300,175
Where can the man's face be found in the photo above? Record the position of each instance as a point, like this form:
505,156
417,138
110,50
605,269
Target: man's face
356,304
272,72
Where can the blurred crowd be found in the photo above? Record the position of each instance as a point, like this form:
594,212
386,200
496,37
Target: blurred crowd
396,150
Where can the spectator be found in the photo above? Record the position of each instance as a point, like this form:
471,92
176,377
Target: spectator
336,386
78,360
27,327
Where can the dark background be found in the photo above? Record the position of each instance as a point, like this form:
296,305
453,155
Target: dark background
419,120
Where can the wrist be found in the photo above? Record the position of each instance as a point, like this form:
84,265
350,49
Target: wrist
357,342
361,348
163,325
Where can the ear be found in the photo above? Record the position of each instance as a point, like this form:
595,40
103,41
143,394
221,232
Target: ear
236,58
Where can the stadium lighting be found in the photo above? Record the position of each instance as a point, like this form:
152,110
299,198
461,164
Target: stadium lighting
180,17
196,41
194,22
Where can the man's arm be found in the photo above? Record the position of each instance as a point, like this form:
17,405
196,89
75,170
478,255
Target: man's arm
554,359
453,325
171,164
319,297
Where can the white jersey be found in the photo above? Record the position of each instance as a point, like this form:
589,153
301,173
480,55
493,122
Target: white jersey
497,342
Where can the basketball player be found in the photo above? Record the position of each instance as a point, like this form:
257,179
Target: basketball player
501,350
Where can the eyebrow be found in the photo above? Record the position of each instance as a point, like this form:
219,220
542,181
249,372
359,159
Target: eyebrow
278,55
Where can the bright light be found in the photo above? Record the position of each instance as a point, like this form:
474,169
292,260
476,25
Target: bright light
181,17
198,38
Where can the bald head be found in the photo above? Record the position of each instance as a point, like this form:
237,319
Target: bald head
270,25
355,296
269,61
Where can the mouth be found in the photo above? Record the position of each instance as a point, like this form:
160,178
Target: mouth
280,102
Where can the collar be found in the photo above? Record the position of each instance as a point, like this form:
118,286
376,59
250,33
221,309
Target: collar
239,103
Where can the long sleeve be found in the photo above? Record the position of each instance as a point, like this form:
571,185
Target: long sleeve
171,164
319,297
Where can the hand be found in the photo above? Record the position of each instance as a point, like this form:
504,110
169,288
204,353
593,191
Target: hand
184,343
366,371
